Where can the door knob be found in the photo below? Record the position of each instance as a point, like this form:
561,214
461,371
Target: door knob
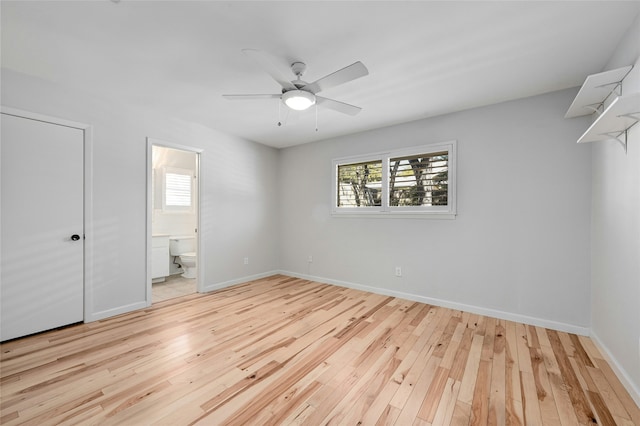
75,237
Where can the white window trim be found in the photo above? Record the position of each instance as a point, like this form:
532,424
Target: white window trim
175,209
426,212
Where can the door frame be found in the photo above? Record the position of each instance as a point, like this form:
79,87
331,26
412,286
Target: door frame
151,142
87,131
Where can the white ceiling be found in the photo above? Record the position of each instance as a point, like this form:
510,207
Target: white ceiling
424,58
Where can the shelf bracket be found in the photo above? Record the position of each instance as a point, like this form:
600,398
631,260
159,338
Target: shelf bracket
632,115
617,88
617,135
598,107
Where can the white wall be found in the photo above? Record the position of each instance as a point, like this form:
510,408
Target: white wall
239,212
616,235
520,245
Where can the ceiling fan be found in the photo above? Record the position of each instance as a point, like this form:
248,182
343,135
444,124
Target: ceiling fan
300,95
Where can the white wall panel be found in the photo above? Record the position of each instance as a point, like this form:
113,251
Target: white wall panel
520,244
616,236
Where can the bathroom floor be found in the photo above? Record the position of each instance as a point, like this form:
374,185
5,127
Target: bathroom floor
173,286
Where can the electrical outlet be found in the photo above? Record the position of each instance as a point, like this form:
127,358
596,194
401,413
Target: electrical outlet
246,260
310,259
398,271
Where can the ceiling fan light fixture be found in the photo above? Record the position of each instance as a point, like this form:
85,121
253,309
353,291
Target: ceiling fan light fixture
298,99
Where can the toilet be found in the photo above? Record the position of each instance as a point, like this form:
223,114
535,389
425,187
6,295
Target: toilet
184,247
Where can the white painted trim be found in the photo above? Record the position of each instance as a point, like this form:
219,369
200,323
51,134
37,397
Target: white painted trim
87,130
568,328
241,280
200,183
41,117
149,220
88,224
624,378
97,316
395,215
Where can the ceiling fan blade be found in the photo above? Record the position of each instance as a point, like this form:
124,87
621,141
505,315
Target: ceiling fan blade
250,97
267,65
338,106
353,71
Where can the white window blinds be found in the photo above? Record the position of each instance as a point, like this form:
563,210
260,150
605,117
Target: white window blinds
400,183
419,180
177,189
359,185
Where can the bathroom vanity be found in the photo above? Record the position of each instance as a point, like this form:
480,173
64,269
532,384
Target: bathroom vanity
159,257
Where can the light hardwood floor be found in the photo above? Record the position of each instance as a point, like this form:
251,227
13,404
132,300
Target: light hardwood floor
287,351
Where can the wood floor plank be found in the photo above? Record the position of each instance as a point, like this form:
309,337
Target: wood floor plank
608,394
497,393
467,386
419,389
548,408
444,413
415,345
602,411
514,413
424,348
530,403
579,401
566,413
283,350
480,403
355,401
461,414
432,398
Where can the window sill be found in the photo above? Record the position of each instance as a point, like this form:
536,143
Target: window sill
176,211
395,215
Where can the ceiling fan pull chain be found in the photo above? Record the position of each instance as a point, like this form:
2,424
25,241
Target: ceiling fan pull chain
282,122
279,112
316,117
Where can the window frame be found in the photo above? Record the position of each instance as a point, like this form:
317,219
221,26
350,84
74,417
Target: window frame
385,210
173,208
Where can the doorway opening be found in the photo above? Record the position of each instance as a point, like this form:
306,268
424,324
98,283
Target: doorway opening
174,261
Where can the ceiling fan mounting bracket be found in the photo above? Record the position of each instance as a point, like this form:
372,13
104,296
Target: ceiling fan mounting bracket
298,68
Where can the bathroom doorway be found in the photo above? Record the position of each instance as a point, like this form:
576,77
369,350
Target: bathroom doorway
174,261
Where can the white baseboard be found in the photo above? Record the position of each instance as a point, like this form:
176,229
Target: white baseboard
217,286
568,328
626,381
97,316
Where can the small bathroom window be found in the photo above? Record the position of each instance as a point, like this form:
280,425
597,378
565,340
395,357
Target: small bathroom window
177,190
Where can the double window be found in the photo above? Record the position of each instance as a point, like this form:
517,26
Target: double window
418,181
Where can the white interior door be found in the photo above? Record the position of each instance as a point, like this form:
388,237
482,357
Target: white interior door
42,247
